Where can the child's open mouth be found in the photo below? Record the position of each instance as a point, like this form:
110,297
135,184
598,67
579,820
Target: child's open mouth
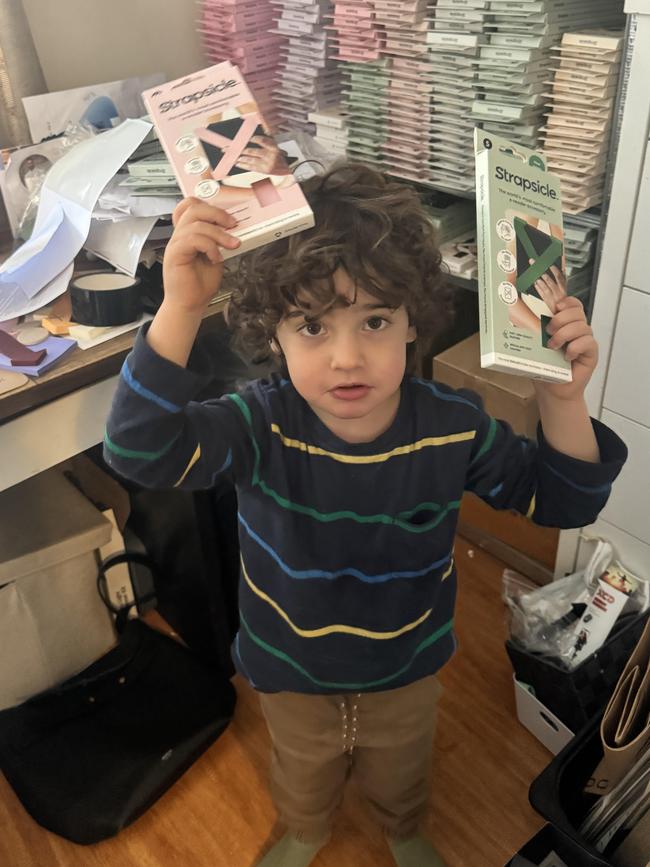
354,391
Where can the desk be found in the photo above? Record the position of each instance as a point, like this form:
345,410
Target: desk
63,412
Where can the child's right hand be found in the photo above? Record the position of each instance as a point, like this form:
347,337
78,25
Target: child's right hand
193,264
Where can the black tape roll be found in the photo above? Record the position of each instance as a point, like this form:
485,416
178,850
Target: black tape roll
105,298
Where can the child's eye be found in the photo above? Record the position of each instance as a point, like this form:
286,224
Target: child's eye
311,329
376,323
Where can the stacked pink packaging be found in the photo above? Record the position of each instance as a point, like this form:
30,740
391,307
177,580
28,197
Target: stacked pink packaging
307,79
240,31
405,25
357,35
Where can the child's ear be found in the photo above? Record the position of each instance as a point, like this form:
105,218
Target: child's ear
275,346
411,334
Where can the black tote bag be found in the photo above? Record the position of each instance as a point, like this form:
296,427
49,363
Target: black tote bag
89,756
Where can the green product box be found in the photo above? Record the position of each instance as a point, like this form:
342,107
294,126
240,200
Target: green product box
521,258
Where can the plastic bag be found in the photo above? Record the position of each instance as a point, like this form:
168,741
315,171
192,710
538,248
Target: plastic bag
538,615
543,619
35,171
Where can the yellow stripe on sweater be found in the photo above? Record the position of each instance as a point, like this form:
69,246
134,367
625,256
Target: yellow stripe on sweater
195,457
464,436
531,508
330,630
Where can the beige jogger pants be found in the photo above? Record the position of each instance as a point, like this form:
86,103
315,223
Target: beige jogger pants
383,739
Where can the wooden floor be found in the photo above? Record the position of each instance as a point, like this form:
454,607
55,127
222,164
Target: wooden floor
220,814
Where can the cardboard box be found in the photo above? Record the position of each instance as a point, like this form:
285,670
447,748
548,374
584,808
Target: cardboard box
507,397
52,621
204,121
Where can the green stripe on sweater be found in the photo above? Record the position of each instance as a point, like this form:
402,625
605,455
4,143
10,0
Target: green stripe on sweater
121,452
402,520
488,441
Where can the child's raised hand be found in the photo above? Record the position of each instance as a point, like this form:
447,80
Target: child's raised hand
571,333
193,264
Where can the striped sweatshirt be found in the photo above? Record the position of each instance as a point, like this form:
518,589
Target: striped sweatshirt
347,577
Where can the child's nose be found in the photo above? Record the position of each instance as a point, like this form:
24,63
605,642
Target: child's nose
346,354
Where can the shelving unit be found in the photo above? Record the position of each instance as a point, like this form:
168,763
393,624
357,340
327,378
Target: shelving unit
619,390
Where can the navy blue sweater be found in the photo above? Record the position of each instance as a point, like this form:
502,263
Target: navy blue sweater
347,572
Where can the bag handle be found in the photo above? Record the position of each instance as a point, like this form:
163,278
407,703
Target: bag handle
121,612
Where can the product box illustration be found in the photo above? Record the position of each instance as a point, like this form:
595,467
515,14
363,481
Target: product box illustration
222,153
521,258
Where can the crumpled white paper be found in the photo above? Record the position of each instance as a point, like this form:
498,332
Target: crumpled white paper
40,270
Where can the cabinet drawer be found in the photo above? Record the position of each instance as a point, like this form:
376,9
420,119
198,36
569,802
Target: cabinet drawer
628,379
638,262
628,505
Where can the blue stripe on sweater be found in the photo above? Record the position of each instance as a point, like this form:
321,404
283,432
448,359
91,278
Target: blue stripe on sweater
138,388
585,489
452,398
319,573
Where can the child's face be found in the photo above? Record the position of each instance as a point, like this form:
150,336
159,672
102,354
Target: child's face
349,365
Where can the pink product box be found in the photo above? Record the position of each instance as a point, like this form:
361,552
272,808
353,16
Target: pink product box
356,55
371,35
341,23
205,121
249,64
416,152
234,20
249,47
251,59
370,39
415,67
361,10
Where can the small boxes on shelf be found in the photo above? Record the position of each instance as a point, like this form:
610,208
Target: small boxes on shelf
308,79
239,31
514,67
365,92
331,130
581,100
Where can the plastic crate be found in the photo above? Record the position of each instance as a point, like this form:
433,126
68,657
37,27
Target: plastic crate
539,721
537,851
558,796
576,696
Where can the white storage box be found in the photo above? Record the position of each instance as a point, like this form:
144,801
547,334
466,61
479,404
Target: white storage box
539,720
52,622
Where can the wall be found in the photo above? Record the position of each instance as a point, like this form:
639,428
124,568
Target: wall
81,42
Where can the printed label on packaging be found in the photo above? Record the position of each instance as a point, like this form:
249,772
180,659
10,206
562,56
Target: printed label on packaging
209,119
521,255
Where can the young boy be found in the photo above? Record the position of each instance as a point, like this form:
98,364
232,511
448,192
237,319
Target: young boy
349,475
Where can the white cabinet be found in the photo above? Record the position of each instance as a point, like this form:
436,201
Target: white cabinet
628,380
638,263
629,504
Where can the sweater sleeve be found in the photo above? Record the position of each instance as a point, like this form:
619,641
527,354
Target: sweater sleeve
158,436
511,472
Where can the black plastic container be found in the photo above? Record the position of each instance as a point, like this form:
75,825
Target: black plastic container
558,796
548,840
576,696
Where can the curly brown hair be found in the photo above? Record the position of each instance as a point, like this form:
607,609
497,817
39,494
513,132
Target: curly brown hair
374,228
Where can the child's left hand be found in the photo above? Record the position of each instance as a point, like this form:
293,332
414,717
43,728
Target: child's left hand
571,333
